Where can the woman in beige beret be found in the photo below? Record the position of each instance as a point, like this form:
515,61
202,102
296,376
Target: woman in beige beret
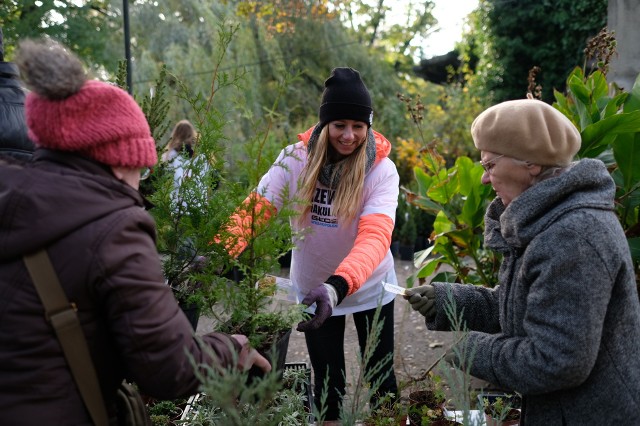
563,327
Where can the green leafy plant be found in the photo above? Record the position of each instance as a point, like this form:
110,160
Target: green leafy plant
228,399
499,410
355,406
427,406
388,413
165,413
457,199
610,130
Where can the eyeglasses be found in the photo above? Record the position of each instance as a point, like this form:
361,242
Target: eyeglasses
488,165
145,173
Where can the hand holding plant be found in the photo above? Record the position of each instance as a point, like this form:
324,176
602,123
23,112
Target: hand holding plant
250,357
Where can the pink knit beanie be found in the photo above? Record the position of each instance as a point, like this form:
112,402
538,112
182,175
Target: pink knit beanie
66,112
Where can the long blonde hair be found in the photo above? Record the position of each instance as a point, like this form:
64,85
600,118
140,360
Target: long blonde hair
348,198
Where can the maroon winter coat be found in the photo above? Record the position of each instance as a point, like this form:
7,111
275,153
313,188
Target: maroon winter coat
101,242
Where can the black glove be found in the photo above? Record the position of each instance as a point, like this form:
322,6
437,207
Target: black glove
326,298
423,300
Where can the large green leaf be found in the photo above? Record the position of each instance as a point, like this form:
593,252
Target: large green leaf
584,115
597,84
424,180
461,237
427,204
564,107
432,160
626,150
599,149
466,178
613,105
562,104
473,208
422,255
442,224
429,267
445,277
579,90
634,246
594,134
633,101
634,198
444,186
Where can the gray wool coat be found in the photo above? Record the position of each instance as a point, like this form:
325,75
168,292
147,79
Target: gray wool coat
563,326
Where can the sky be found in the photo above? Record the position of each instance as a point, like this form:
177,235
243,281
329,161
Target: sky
450,15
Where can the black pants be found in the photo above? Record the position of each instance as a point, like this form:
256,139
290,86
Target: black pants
326,350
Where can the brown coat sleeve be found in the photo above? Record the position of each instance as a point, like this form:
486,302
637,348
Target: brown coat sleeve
150,330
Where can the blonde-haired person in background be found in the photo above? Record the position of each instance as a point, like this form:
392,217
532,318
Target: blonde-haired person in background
183,138
341,171
563,326
78,199
181,157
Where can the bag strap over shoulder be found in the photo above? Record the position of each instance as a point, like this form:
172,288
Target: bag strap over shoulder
64,320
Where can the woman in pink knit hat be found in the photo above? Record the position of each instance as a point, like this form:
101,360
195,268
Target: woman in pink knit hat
78,199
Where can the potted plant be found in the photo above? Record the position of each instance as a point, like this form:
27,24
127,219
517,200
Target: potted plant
227,400
164,413
500,409
427,403
388,413
248,304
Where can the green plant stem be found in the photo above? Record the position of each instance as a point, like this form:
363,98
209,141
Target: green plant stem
479,270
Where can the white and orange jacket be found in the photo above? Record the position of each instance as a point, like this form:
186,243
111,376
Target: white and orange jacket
357,252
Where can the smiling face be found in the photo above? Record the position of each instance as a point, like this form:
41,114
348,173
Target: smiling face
346,135
507,177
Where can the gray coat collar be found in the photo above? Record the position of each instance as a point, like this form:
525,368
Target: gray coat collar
586,184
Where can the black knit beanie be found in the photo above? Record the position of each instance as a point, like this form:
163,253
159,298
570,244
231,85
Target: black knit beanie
345,97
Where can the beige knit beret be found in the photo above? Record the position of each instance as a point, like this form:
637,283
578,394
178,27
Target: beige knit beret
529,130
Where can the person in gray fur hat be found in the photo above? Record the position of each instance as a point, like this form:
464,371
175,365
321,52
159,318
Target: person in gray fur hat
563,326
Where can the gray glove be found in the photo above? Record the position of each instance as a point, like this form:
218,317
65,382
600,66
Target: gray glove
326,298
423,300
451,358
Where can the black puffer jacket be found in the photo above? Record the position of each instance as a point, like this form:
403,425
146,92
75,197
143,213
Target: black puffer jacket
101,243
13,128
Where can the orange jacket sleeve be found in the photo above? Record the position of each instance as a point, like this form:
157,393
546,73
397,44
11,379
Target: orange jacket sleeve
371,246
241,224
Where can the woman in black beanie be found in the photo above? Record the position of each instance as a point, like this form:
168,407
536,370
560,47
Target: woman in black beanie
347,191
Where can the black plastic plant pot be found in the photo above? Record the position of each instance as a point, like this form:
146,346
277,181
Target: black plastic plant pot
280,356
